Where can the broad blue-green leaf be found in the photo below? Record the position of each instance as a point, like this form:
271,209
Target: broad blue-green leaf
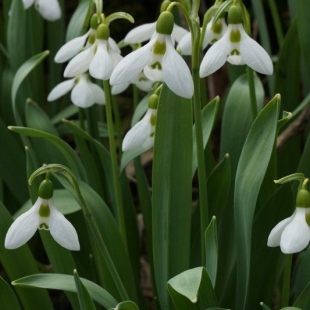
66,283
250,173
65,113
192,289
85,300
127,156
172,190
302,300
8,297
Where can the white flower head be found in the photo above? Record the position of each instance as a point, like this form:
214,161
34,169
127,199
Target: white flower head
84,93
49,9
159,61
237,48
142,133
212,34
42,215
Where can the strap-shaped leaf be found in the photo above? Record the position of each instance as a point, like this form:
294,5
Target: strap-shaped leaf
7,296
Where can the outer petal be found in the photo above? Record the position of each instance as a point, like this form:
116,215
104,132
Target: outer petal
176,73
178,33
275,235
80,63
139,133
215,57
61,89
27,3
119,88
140,34
132,64
62,230
254,55
98,94
295,236
142,82
71,48
82,95
23,228
114,46
101,66
185,44
50,9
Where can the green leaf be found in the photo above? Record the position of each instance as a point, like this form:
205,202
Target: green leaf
250,173
85,300
302,300
65,113
66,283
8,297
128,156
127,305
172,190
192,289
211,250
265,307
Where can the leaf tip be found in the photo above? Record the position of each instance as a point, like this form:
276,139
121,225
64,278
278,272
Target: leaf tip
226,156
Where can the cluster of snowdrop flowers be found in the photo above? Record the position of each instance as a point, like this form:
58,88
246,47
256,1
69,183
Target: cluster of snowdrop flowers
293,233
214,32
142,133
49,9
42,215
159,61
237,48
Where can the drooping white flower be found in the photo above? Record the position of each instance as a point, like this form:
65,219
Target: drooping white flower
84,93
159,60
292,234
212,34
49,9
142,133
100,58
237,48
42,215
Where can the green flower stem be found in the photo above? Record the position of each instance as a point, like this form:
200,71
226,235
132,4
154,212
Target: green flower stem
286,280
135,96
117,186
276,20
118,125
202,179
252,92
81,118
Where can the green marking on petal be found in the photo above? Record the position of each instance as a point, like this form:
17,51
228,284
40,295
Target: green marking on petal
142,79
234,52
43,226
213,41
217,28
153,120
44,211
308,218
235,36
156,65
159,48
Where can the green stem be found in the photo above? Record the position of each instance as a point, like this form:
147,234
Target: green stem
135,96
118,125
276,21
286,280
252,92
116,180
81,118
203,199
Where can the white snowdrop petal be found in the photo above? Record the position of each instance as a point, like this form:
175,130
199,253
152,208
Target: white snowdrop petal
62,230
61,89
80,63
28,3
176,73
295,236
254,55
114,46
81,95
98,93
23,228
101,65
178,33
140,34
155,75
215,57
132,64
138,134
275,235
50,9
185,44
71,48
142,82
119,88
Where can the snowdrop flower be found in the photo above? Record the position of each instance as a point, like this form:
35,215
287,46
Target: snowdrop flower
293,233
212,34
74,46
49,9
84,93
145,32
100,58
159,60
42,215
142,133
237,48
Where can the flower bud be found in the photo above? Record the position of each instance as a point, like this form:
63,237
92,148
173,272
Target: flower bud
235,15
153,101
165,23
46,189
